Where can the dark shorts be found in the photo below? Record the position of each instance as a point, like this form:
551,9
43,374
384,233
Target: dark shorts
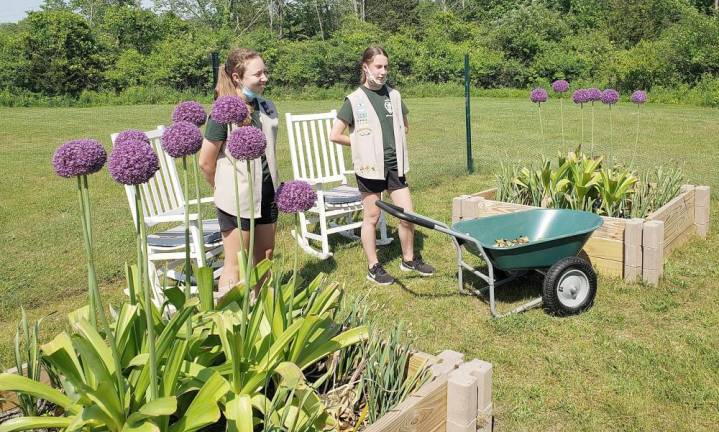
268,216
392,181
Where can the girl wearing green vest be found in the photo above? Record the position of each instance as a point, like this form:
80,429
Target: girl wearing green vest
377,120
244,74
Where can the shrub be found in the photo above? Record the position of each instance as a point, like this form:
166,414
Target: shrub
61,53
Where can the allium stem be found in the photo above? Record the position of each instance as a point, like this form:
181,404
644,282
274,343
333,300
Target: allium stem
561,118
636,139
241,254
200,228
611,132
591,147
581,140
188,264
145,287
251,249
86,235
541,126
95,300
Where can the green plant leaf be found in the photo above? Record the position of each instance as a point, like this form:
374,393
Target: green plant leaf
61,354
35,423
239,414
21,384
204,408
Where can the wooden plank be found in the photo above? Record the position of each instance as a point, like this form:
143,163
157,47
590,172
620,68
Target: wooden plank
419,360
424,410
679,240
489,194
608,267
611,250
677,215
611,229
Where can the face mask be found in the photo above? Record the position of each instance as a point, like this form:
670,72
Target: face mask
374,80
249,94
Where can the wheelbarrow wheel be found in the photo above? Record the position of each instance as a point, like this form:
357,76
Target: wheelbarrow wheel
569,287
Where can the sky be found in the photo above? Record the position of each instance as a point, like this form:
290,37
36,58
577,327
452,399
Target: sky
15,10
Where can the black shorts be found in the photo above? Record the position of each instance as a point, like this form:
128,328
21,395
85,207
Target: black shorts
268,216
392,181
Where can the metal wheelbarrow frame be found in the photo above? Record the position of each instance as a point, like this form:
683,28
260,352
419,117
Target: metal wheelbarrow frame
556,237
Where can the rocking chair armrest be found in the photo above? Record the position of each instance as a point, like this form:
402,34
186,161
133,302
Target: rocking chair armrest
179,217
204,200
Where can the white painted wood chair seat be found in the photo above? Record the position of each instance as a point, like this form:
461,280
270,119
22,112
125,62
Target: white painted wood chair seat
317,160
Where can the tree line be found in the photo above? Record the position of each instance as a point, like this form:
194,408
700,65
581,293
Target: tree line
71,47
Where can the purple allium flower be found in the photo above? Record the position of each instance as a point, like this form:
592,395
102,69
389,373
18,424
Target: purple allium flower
190,111
246,143
181,139
560,86
580,96
639,97
295,196
131,135
132,162
610,96
538,95
594,94
79,157
229,109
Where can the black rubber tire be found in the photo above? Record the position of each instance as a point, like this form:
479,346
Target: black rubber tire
550,297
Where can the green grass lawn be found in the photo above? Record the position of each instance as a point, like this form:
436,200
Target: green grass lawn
643,358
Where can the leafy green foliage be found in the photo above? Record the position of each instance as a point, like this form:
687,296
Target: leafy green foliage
80,46
582,183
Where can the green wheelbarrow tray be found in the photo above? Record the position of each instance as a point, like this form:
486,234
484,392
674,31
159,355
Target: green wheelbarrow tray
555,237
553,234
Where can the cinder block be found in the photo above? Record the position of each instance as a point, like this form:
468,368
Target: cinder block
470,207
440,369
701,210
449,356
652,251
461,398
457,427
457,207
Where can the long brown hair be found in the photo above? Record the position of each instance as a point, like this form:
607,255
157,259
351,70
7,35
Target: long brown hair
367,57
236,61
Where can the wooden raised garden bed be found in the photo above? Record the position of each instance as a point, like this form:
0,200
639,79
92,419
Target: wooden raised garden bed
627,248
458,398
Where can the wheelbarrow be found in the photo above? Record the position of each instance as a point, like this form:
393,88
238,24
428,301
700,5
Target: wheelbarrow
551,241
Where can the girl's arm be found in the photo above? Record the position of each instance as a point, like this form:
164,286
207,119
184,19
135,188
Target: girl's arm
406,124
337,134
208,159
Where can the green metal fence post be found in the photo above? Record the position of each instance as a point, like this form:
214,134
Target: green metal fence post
470,162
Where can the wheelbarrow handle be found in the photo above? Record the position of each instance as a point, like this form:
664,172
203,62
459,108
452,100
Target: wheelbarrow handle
400,213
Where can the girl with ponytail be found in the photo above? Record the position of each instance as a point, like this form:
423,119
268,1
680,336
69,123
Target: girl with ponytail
243,75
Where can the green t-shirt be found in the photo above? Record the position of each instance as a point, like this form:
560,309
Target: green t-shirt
218,132
382,105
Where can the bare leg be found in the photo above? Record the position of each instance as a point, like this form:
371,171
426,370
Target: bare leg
264,247
401,198
230,271
370,217
264,241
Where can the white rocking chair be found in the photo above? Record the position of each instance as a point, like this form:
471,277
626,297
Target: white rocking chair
320,162
163,201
